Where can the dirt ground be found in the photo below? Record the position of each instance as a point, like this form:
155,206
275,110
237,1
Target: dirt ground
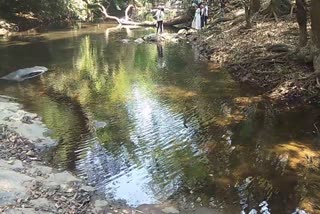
265,55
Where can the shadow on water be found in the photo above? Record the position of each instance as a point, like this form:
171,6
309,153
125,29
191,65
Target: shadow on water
175,130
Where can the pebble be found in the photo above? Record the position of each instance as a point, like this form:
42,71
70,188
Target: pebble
30,153
11,162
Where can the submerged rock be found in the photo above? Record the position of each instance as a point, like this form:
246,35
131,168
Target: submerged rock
151,37
100,124
125,40
139,41
25,73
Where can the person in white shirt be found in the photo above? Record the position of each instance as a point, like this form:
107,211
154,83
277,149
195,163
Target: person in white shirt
160,18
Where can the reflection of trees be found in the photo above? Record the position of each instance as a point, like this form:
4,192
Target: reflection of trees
178,137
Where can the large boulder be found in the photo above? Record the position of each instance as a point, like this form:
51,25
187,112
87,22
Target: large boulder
25,73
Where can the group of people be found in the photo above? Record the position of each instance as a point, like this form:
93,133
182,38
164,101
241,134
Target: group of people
200,19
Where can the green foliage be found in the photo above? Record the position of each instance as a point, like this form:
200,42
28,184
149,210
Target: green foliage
52,10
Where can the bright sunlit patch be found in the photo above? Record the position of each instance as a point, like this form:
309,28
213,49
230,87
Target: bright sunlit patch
298,153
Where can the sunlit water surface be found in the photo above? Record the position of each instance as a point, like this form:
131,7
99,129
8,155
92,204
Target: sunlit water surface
170,126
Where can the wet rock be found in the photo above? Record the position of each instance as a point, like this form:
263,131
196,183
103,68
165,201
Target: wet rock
100,205
139,41
253,211
125,40
26,119
299,211
152,37
25,73
31,153
100,124
87,188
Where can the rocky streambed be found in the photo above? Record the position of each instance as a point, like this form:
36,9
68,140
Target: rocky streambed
29,185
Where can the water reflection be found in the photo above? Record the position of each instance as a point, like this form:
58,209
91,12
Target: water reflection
174,129
161,61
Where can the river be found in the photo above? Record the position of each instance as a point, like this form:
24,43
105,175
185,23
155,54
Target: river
151,123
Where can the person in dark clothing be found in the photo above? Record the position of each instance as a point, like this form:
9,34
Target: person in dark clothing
206,13
202,15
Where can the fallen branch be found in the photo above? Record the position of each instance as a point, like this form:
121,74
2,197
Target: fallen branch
105,13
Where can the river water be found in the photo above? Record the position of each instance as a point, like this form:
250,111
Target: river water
148,123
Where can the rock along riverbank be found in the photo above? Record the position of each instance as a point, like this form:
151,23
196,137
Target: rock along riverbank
29,185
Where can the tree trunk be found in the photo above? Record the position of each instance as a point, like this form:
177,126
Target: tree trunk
315,25
302,21
255,5
315,22
275,8
105,13
171,22
248,15
125,21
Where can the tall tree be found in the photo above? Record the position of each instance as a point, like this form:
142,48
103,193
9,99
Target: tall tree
302,21
315,25
315,21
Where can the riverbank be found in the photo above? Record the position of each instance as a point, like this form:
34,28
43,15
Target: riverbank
29,185
265,55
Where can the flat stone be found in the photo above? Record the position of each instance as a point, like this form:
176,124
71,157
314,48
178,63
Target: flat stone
139,41
151,37
25,73
99,124
44,170
30,153
12,186
11,114
99,206
11,164
125,40
62,179
170,210
87,188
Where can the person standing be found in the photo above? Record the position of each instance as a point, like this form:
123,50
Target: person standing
202,15
196,23
160,18
206,13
